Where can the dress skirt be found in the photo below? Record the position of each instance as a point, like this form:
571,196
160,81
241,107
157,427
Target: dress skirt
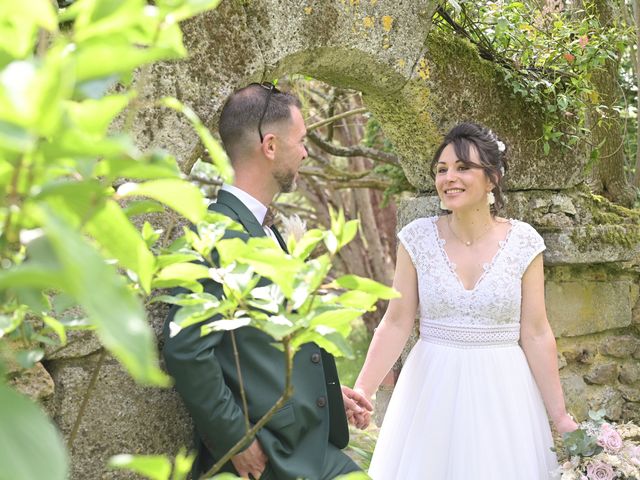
460,413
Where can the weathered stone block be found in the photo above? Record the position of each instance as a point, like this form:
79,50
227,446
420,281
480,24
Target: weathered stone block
580,308
121,417
578,352
630,393
35,382
602,374
574,389
608,398
620,346
629,373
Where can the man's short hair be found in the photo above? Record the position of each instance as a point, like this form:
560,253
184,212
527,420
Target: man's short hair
242,110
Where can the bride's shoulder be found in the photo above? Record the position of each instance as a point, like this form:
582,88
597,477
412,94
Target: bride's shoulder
524,228
420,222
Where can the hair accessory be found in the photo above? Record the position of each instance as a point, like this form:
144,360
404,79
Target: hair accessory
491,198
501,146
502,170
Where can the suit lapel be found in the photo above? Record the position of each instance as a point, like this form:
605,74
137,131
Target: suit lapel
245,217
281,241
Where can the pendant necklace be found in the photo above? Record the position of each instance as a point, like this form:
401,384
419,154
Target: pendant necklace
468,243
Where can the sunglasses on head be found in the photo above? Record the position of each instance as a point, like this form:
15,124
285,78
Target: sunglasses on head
271,88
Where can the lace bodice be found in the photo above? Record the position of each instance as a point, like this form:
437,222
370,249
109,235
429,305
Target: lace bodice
496,297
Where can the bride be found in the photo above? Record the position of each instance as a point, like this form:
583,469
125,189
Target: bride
470,401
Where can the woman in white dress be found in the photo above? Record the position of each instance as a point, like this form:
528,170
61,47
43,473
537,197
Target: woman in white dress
470,401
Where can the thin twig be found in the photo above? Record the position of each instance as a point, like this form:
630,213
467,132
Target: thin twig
243,394
85,400
340,116
357,151
288,390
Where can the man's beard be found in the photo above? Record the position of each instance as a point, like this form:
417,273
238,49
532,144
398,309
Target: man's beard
286,180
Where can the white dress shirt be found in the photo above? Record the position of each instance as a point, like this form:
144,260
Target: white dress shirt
255,206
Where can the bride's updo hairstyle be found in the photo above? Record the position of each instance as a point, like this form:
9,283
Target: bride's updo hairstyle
491,152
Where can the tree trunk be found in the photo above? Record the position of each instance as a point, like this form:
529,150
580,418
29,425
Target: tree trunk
607,131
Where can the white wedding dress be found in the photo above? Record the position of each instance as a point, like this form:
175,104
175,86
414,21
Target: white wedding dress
466,406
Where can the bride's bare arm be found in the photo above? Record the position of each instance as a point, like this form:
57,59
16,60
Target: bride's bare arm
539,345
394,329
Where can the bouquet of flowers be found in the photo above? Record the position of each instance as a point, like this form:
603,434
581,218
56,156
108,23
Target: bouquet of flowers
599,450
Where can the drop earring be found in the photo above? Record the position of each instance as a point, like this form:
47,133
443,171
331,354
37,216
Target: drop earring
491,198
442,205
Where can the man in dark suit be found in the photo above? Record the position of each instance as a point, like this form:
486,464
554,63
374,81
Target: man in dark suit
263,132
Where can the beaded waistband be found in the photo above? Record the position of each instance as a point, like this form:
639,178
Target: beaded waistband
470,336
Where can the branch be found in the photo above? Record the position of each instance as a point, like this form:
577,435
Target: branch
288,390
340,116
346,180
357,151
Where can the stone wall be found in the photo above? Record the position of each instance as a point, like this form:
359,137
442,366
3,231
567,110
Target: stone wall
417,84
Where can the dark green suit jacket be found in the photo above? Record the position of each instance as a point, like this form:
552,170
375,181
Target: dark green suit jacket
204,370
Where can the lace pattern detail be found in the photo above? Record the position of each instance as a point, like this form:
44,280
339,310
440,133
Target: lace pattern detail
467,336
496,297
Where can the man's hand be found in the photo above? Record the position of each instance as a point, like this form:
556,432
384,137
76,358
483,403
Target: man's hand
357,407
251,461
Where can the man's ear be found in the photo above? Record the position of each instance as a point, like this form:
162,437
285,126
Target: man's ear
268,146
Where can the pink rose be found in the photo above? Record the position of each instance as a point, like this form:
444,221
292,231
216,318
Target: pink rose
609,439
600,471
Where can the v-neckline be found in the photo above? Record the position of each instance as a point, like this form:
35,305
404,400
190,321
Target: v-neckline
486,267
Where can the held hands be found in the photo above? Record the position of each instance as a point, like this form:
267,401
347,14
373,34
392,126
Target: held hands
565,424
357,407
251,461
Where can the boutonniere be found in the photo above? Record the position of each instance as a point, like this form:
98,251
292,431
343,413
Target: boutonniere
293,226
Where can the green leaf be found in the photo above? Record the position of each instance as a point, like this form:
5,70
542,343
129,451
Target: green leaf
141,207
174,274
19,25
116,312
57,327
149,234
9,322
355,282
358,299
30,446
157,165
15,138
155,467
34,298
171,258
103,58
331,242
349,231
28,358
265,257
338,320
186,9
182,465
354,476
95,116
179,195
225,325
216,152
119,238
307,244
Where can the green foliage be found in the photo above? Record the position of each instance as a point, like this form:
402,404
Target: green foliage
548,58
155,467
66,243
70,255
582,442
25,431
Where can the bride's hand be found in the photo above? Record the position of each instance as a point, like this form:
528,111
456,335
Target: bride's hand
565,424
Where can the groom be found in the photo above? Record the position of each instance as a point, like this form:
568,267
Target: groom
263,132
